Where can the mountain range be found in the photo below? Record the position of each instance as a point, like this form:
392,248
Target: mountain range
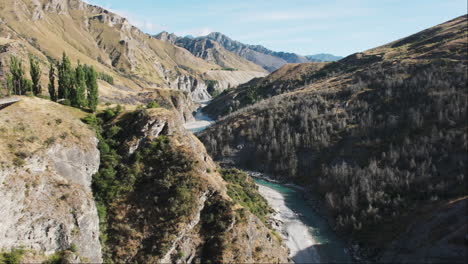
268,59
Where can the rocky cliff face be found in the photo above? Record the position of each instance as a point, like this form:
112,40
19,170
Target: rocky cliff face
178,190
47,159
167,37
193,86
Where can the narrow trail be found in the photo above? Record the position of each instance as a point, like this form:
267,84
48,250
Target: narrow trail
5,102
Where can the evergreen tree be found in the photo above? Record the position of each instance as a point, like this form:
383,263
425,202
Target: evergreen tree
27,85
91,84
10,86
52,91
35,72
79,97
17,76
65,78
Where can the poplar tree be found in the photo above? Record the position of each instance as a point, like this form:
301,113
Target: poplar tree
10,86
35,72
26,85
52,91
17,77
91,84
79,98
65,78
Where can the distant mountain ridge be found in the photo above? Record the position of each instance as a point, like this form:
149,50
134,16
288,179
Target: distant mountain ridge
268,59
258,54
324,57
231,69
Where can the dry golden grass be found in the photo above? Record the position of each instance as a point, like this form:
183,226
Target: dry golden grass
33,124
99,38
295,71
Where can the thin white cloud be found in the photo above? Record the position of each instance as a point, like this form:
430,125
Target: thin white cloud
197,32
294,15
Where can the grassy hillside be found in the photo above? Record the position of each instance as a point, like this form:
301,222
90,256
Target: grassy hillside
288,77
94,36
377,134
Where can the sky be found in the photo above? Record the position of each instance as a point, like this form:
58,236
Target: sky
306,27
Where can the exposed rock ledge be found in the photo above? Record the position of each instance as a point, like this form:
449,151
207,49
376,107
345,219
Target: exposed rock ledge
47,159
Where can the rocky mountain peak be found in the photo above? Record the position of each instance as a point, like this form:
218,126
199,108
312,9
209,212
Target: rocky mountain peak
167,37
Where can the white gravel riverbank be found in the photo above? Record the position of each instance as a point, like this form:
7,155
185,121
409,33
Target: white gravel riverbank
295,233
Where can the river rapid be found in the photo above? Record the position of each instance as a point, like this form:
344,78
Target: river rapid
306,234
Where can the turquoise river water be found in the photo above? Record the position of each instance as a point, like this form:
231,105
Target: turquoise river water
307,235
327,247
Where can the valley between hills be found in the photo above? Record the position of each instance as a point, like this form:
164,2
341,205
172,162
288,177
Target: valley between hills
117,146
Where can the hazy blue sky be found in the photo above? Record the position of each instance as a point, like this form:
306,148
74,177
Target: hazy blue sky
339,27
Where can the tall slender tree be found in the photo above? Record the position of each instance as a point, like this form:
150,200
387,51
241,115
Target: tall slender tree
17,76
35,72
91,84
10,85
65,78
79,98
52,91
27,85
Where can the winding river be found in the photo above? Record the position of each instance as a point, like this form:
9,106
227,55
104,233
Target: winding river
201,121
306,234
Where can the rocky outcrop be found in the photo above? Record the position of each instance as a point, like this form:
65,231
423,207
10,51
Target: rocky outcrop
180,103
45,178
255,242
167,37
171,158
193,86
183,234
